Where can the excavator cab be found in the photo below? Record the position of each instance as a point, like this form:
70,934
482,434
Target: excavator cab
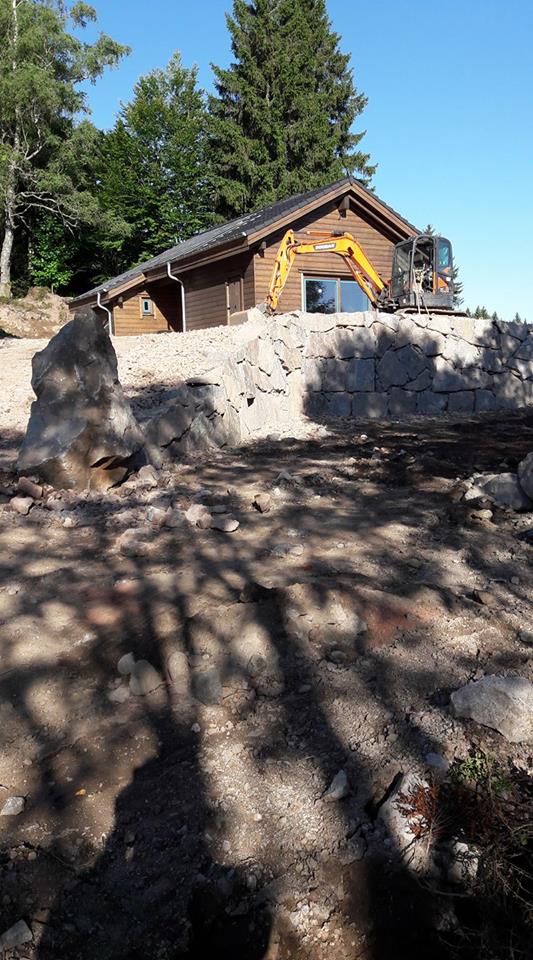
422,273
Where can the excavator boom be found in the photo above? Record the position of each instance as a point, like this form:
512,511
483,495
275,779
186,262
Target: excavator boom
342,244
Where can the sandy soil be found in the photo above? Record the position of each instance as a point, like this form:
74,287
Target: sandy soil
162,827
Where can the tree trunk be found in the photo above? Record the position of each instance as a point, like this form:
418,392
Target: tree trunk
5,260
6,252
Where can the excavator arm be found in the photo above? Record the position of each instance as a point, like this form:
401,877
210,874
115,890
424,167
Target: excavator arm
342,244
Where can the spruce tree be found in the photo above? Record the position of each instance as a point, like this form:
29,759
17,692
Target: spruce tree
281,120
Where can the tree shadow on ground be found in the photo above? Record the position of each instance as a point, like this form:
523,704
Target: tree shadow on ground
162,827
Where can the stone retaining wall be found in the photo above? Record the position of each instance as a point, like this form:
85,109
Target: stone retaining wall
358,365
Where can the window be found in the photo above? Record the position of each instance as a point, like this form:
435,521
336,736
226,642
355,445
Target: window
333,295
147,307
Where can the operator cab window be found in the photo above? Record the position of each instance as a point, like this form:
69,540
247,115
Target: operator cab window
147,307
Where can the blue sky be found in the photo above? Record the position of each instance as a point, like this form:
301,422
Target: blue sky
449,118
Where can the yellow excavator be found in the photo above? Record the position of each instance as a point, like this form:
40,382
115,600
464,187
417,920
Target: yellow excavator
422,270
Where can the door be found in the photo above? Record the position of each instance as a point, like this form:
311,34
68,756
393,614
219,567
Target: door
234,297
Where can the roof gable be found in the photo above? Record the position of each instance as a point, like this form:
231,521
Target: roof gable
247,229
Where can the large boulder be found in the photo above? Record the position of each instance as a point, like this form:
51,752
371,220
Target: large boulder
503,703
525,475
82,433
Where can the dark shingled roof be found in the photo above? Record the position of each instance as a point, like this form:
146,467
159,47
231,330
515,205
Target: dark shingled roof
227,232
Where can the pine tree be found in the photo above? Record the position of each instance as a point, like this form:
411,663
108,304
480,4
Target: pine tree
281,120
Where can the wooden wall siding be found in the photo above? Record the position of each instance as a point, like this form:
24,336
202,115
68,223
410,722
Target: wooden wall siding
377,247
128,320
205,290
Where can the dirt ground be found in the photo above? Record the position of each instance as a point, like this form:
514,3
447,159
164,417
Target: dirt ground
162,826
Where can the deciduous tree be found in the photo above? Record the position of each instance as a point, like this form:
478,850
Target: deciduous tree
42,65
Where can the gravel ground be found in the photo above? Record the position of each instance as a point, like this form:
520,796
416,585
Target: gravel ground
191,821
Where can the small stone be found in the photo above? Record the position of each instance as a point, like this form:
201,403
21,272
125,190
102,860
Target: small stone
103,614
148,476
515,581
199,516
144,679
55,504
258,817
28,488
13,806
196,728
207,687
338,789
18,934
262,502
485,598
119,695
504,704
225,524
437,762
157,516
175,518
126,664
21,505
464,863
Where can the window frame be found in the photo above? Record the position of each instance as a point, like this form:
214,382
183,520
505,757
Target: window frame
337,280
147,313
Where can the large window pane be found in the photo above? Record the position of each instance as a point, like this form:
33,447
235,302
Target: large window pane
320,296
352,297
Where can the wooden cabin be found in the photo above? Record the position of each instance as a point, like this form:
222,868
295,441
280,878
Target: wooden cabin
215,275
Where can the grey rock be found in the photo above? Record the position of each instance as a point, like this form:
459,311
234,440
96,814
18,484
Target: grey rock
463,863
399,824
198,515
335,375
504,704
525,475
401,402
119,694
338,789
505,489
422,382
13,806
461,402
82,433
148,476
360,376
28,488
369,406
262,502
391,371
126,664
225,524
207,686
175,518
144,679
485,401
430,403
337,404
18,934
438,763
21,505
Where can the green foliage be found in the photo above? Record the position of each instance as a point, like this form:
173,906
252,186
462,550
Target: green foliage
50,255
42,67
154,173
282,117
